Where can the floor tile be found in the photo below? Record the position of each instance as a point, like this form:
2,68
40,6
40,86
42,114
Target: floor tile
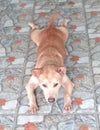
99,121
97,94
68,122
82,78
7,122
92,3
94,42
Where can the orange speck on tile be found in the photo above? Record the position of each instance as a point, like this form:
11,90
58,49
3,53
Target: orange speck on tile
77,101
10,77
97,39
71,3
75,13
23,4
43,14
75,58
24,14
84,127
11,59
73,27
18,41
17,28
2,127
2,102
94,13
77,40
30,126
80,76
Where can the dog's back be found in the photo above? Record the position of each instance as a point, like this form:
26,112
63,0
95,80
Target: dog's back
51,49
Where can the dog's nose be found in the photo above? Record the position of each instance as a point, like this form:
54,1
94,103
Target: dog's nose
51,99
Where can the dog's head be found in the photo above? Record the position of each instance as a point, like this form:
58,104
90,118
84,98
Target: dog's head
50,80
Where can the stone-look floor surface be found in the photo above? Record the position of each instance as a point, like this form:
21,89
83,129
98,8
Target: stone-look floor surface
18,57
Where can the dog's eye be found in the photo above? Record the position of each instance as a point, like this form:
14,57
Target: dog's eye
55,85
44,85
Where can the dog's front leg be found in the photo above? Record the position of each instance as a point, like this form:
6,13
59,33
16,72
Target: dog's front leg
68,86
32,84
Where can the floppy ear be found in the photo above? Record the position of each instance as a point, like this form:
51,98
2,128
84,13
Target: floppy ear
36,72
61,70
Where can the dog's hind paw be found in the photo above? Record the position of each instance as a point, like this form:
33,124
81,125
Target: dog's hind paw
32,25
33,109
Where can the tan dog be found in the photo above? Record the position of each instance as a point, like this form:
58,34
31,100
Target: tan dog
50,72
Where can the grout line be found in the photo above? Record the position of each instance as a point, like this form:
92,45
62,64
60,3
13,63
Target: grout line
51,114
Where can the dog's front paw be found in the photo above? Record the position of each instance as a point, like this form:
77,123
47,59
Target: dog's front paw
67,103
33,109
67,107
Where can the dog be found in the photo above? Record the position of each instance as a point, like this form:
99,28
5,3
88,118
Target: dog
50,72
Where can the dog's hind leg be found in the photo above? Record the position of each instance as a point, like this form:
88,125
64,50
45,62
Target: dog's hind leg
63,28
35,33
65,23
33,26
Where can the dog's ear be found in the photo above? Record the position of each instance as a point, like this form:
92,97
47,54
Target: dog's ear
36,72
61,70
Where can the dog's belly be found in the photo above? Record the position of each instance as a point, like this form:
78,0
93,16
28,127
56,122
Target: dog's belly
49,56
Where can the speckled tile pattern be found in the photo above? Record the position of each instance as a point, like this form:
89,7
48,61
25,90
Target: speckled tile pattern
18,57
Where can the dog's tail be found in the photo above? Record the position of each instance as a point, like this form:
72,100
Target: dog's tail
52,18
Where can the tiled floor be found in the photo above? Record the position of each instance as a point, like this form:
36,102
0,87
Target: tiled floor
18,57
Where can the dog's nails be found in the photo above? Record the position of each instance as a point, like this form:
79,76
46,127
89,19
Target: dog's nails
67,20
33,110
67,108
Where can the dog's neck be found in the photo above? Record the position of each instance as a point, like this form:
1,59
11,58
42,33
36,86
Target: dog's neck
49,67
